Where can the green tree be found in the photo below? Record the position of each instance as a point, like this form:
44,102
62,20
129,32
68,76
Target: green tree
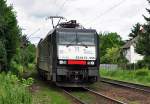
143,43
9,30
3,59
28,51
25,56
28,55
107,41
112,55
135,31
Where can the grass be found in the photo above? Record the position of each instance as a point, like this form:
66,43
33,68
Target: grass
84,96
40,92
140,76
49,94
13,90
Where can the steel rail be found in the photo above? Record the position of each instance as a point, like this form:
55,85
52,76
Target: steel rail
126,84
105,97
72,96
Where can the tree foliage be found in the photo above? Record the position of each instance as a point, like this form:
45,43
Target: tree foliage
110,44
135,31
143,43
3,59
24,57
112,55
9,31
16,52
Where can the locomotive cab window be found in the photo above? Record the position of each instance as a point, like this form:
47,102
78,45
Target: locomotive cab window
86,38
66,38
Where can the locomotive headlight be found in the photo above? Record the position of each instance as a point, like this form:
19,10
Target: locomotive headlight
62,62
90,62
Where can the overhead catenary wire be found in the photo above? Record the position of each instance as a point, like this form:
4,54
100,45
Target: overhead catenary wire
108,10
61,7
60,17
34,33
31,35
99,15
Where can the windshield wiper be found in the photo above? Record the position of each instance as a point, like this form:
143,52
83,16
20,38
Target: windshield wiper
70,43
81,43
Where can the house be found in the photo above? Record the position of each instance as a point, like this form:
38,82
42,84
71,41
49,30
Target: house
129,51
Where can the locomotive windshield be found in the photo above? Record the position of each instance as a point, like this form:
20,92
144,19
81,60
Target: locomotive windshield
86,38
67,38
76,38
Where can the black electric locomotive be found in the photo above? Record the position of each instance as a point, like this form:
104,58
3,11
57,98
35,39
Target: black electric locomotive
69,55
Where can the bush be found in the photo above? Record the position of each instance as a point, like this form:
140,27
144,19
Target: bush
147,61
16,68
140,64
141,73
31,66
144,63
13,91
27,82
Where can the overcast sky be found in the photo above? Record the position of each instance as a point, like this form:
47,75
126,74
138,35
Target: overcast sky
103,15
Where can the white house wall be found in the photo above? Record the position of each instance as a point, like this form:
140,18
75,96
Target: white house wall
128,54
132,56
135,57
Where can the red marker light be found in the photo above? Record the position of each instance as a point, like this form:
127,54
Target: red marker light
76,62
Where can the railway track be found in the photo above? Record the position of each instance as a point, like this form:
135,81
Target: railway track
74,97
108,100
102,99
126,84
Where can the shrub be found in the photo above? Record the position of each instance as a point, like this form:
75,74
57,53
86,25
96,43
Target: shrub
13,91
31,66
27,82
140,64
16,68
141,73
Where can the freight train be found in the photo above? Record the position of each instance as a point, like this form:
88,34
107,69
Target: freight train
69,55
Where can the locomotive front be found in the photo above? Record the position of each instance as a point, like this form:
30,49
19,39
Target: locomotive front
77,57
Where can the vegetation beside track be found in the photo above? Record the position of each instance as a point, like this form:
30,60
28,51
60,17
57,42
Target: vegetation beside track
140,76
45,93
14,90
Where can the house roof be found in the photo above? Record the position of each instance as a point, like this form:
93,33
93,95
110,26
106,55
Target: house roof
129,43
